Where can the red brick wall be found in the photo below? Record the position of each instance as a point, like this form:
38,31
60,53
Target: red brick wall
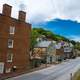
21,39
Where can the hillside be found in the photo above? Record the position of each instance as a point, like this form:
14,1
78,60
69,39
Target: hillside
36,32
48,34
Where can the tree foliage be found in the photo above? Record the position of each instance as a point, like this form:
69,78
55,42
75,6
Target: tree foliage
34,35
36,32
49,34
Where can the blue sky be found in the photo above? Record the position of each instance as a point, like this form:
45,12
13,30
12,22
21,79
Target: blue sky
66,28
60,16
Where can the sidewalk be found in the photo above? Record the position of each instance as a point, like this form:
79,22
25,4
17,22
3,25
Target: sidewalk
6,76
43,66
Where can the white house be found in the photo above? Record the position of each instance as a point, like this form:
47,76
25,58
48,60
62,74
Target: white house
47,50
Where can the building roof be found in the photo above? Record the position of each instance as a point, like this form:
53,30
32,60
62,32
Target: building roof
58,46
54,42
43,44
68,44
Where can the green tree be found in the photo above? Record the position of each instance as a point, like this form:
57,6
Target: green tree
36,32
49,34
34,36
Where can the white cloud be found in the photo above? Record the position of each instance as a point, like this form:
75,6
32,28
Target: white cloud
74,37
50,9
38,11
45,10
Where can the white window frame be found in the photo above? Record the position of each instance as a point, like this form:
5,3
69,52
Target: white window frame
8,70
10,43
11,57
12,29
1,67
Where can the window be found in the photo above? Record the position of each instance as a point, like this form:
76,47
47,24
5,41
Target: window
12,29
8,70
9,57
10,43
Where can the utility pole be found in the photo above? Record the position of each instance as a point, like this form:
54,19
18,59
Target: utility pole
46,58
70,76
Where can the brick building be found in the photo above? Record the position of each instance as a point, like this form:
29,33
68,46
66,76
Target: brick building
14,41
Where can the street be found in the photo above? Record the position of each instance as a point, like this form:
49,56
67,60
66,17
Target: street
61,71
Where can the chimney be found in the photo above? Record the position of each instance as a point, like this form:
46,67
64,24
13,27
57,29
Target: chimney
22,15
6,10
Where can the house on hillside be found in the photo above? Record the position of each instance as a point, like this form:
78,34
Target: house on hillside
45,50
64,50
59,51
48,51
68,50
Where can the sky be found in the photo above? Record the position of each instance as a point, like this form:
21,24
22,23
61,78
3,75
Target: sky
60,16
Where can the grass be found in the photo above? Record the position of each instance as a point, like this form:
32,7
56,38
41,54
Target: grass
77,75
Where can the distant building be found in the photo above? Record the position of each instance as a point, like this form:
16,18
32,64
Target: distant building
64,50
59,51
14,41
46,51
68,50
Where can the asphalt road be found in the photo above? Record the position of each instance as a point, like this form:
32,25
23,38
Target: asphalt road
61,71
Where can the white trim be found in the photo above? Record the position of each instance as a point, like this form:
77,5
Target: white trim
10,43
1,67
11,57
12,30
